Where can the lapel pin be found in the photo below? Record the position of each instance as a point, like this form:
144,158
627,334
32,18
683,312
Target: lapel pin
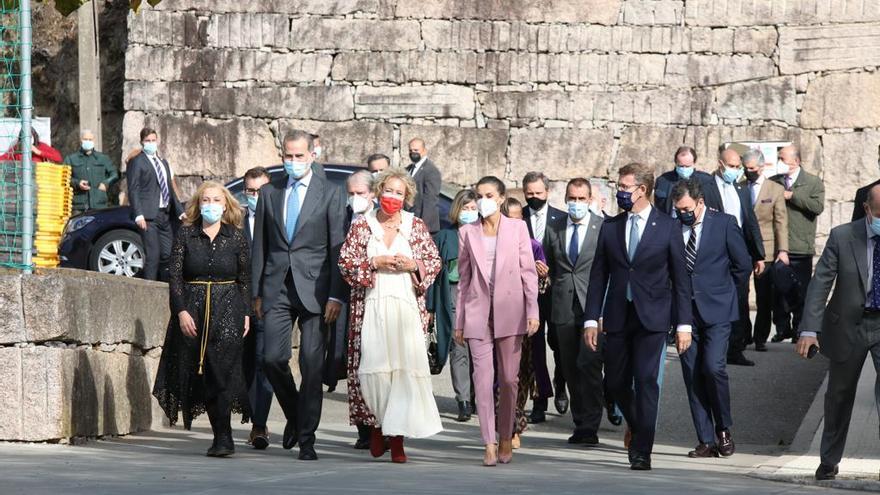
653,224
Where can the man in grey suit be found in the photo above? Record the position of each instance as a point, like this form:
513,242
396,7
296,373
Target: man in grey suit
850,327
428,181
299,228
572,245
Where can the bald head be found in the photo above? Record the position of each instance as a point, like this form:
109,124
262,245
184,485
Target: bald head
729,160
791,156
417,150
872,203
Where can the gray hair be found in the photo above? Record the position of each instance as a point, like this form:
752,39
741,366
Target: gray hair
362,177
299,135
752,155
535,177
84,132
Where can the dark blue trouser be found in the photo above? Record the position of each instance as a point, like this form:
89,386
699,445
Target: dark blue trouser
260,390
704,367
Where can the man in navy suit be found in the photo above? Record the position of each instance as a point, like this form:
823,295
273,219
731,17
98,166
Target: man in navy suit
729,194
715,271
685,160
640,286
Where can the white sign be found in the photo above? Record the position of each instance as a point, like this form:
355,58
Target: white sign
10,129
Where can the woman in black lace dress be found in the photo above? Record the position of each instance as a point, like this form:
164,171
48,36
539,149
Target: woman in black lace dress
200,369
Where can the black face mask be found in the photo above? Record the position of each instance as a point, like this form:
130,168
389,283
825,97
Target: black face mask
415,157
752,176
687,217
536,203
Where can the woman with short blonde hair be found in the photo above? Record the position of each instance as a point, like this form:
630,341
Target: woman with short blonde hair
400,174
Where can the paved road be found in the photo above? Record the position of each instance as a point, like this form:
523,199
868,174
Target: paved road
769,401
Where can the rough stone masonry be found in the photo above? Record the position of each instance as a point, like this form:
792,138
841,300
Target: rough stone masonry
570,87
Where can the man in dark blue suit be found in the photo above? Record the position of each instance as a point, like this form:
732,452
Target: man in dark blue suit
685,160
640,286
716,268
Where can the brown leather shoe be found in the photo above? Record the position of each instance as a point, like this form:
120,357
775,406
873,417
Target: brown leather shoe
627,437
259,438
726,448
703,450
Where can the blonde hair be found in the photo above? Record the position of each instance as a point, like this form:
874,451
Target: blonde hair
403,176
232,215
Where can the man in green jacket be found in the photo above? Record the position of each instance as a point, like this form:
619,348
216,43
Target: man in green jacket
804,199
92,174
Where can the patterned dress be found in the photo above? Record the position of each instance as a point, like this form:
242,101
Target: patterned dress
354,263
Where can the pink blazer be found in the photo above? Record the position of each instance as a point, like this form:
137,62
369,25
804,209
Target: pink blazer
516,281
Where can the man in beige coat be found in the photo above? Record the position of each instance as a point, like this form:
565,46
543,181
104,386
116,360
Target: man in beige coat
768,200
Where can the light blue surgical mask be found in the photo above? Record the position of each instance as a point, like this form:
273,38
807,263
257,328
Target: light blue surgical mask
296,169
875,225
252,202
88,145
468,216
731,175
151,147
684,173
212,213
578,211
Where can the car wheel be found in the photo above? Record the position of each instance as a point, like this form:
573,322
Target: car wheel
118,252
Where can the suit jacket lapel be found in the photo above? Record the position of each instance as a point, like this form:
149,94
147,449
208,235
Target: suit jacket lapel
314,193
278,207
705,233
621,235
589,244
860,251
649,229
478,252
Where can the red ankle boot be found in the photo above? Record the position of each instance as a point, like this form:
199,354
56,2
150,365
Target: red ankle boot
377,442
397,454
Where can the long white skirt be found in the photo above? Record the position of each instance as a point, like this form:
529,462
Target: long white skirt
394,372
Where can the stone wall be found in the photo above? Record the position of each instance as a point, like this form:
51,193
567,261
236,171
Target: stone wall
78,354
570,87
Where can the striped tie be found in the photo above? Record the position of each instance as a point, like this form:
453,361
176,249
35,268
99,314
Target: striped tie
690,251
163,185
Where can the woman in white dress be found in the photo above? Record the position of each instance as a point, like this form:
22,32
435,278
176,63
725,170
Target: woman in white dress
390,260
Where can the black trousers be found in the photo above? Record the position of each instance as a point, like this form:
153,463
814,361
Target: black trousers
769,305
582,369
157,240
741,330
789,322
301,407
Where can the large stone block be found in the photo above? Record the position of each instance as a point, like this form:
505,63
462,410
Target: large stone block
147,96
11,316
250,30
299,7
821,48
388,102
591,11
849,100
154,27
214,148
463,155
766,99
560,153
768,12
315,33
853,156
331,103
653,12
89,307
345,142
709,70
760,40
649,145
10,391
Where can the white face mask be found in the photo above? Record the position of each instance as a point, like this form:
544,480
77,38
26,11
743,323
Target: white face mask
487,207
359,204
781,167
318,150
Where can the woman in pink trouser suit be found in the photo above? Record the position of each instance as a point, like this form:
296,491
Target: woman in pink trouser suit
497,306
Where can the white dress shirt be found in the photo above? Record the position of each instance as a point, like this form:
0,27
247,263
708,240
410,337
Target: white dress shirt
730,199
538,219
251,218
303,189
418,166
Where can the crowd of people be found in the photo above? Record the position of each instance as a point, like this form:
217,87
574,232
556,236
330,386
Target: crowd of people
382,296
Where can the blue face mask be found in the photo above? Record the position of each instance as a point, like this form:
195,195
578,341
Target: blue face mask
88,145
577,211
252,202
875,224
684,173
731,175
468,216
624,200
212,213
296,169
151,147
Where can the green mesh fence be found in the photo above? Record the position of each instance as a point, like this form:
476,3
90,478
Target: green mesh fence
15,201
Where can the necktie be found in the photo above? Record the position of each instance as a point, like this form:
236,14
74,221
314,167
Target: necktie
163,184
292,211
788,183
631,249
539,226
573,245
875,275
690,252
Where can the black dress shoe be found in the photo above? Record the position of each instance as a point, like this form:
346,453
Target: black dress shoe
561,401
779,338
583,438
307,454
362,444
760,347
739,359
464,412
726,448
290,436
614,418
537,417
826,472
640,462
703,450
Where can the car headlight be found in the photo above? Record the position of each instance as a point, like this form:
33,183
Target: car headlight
78,223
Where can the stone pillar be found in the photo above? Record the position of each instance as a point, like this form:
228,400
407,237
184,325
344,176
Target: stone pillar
89,71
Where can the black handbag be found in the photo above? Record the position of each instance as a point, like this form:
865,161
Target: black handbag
433,356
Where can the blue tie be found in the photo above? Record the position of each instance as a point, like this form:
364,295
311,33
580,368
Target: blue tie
875,275
631,250
163,184
573,245
292,211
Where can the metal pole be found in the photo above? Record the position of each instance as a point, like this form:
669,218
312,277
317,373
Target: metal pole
26,102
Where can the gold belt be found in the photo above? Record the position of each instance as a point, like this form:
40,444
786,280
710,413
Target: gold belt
207,318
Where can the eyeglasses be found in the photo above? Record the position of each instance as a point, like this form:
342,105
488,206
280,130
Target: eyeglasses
621,187
251,191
